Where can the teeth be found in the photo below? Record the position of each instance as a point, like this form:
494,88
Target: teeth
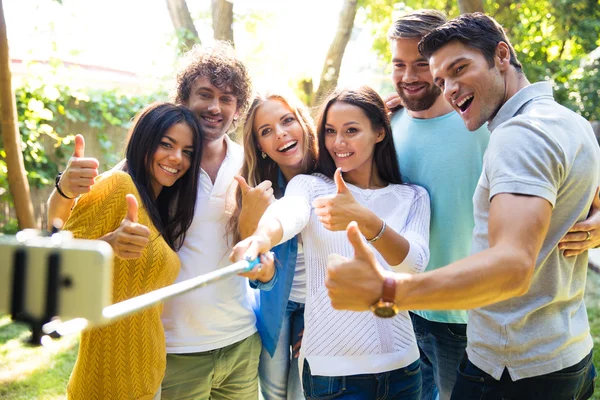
463,101
287,145
169,169
343,155
212,120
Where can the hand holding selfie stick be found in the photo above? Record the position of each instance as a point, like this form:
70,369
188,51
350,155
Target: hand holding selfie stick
46,278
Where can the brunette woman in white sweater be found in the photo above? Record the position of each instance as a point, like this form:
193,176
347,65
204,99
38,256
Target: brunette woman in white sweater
352,355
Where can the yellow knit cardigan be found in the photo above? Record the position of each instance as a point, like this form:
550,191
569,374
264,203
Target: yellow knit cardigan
127,359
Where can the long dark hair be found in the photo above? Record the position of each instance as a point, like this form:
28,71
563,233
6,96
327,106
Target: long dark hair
173,210
367,99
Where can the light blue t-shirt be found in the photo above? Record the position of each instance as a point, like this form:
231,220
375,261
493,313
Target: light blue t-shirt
441,155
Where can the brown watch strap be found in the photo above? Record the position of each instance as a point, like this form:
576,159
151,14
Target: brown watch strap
389,290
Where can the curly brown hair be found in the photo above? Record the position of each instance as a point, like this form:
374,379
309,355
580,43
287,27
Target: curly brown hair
220,65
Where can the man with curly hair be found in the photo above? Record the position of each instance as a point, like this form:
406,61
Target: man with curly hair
212,343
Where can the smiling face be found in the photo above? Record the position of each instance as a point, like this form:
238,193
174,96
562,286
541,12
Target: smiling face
172,157
350,139
411,76
215,108
280,135
474,90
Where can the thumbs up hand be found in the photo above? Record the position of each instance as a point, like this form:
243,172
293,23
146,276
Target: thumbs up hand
354,284
254,203
130,239
79,175
336,211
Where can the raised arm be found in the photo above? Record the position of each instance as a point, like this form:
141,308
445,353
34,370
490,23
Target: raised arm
254,203
336,211
517,227
77,179
119,226
282,220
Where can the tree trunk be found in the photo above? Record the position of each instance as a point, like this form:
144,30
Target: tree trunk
17,179
470,6
222,17
187,35
333,61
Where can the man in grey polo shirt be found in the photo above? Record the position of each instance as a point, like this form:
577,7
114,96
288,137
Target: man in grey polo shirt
528,332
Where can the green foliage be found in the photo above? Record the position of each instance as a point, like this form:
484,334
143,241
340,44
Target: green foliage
45,113
552,41
550,37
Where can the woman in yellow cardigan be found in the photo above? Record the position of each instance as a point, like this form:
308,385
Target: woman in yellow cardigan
126,360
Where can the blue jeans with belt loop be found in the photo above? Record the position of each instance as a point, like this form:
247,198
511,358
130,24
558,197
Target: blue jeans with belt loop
402,383
571,383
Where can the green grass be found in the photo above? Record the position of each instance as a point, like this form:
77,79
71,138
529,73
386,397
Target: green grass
28,372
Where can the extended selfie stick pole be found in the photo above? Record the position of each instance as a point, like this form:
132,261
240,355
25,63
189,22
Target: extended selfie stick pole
149,299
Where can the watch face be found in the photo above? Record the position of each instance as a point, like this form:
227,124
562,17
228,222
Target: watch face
385,311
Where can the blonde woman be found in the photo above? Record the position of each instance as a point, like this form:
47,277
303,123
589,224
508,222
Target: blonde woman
279,143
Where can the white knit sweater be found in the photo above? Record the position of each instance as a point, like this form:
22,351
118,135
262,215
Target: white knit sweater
339,343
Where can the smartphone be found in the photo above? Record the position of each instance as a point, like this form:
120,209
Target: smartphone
43,277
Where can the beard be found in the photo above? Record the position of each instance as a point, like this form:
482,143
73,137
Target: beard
422,102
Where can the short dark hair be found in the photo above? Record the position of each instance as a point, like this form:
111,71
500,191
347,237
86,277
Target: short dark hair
173,210
222,68
375,109
416,24
475,30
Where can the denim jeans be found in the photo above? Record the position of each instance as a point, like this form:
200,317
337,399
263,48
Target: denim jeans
403,383
572,383
280,376
442,346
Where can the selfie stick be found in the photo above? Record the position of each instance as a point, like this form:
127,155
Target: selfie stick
149,299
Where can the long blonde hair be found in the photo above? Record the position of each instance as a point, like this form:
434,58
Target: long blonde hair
257,169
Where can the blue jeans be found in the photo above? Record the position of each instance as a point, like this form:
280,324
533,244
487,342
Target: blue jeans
572,383
403,383
280,376
442,346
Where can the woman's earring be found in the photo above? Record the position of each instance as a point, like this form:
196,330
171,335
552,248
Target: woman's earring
263,154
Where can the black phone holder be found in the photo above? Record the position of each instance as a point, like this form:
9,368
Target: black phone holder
54,282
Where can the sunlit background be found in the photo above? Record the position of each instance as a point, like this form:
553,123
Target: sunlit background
87,66
131,43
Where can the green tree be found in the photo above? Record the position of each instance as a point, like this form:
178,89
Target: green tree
17,181
333,61
222,20
551,39
187,35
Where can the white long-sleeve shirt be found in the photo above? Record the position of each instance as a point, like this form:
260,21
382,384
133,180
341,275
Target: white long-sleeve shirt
339,343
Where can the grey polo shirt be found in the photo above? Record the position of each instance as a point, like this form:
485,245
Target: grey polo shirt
538,148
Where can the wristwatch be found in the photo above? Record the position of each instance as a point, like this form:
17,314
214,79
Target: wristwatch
386,306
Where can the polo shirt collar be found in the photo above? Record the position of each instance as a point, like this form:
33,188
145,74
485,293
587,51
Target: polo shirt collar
518,101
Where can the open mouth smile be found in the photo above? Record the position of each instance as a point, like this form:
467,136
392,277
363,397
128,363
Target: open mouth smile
288,146
212,120
172,171
464,103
